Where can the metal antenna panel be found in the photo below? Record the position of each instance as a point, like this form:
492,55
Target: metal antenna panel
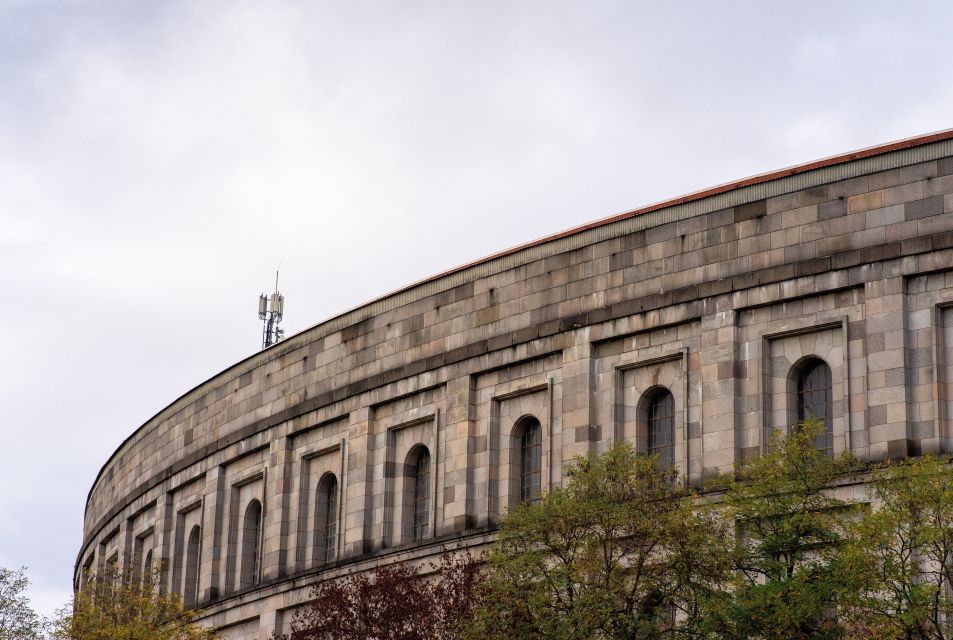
270,311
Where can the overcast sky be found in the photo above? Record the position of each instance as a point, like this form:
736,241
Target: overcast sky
159,160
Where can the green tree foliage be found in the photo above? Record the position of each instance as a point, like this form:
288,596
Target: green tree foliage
115,607
617,553
626,551
17,620
901,555
789,531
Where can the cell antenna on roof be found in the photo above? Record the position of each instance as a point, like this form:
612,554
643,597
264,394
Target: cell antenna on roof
270,310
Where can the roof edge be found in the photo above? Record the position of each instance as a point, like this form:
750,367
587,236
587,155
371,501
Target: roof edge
829,161
867,152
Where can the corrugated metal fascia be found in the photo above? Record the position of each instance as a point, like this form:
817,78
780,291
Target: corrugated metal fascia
736,197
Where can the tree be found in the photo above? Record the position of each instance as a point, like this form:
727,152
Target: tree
392,602
17,620
623,551
902,554
115,607
787,555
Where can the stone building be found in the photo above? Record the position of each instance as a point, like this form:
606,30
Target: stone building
692,328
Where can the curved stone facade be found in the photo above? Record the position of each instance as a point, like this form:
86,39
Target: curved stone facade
402,427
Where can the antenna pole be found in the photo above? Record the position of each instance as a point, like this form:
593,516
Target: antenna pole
270,311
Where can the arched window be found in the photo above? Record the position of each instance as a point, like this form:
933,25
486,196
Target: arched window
417,504
815,399
251,534
325,524
147,577
660,425
87,571
191,567
528,436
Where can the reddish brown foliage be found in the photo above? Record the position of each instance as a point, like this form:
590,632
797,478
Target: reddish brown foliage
392,602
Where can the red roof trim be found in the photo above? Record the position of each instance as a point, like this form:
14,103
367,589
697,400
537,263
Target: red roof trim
760,178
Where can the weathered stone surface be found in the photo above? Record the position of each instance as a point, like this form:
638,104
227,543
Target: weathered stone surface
718,306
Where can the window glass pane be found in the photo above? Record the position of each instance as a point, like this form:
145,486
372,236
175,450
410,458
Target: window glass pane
192,567
147,569
330,525
531,450
422,497
661,427
325,535
815,400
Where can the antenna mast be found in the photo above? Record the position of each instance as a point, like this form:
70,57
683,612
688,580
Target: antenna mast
270,310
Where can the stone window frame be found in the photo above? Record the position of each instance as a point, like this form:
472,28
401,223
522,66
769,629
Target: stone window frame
313,465
108,550
87,570
235,534
141,554
112,568
676,383
315,448
770,393
503,456
396,479
942,441
183,514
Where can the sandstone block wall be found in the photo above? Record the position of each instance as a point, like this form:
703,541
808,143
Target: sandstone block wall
715,297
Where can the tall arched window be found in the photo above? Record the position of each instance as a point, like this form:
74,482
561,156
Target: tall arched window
191,567
147,577
87,571
325,524
418,492
111,570
528,435
815,399
251,534
660,425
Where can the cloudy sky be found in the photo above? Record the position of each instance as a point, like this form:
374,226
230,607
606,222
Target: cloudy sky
159,160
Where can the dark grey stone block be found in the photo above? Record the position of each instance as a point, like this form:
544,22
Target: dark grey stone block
923,208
